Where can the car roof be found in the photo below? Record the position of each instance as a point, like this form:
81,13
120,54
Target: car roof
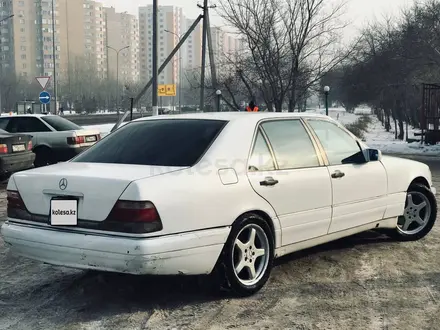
38,115
249,117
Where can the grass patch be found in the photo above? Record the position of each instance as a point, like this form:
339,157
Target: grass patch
360,126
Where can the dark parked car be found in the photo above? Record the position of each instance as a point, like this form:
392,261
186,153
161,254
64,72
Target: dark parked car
15,152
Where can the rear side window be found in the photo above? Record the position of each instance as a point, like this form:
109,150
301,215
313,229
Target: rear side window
4,123
162,142
60,124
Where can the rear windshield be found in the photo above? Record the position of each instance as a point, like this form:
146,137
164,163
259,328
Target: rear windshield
162,142
60,123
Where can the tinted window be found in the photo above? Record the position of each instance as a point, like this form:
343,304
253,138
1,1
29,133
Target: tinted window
26,125
4,123
337,143
172,142
60,124
291,144
261,158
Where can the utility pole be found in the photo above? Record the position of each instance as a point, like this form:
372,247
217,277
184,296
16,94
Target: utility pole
155,73
205,8
55,87
202,75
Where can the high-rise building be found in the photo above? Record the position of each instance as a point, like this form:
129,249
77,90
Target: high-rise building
192,54
122,32
95,37
218,43
18,48
171,24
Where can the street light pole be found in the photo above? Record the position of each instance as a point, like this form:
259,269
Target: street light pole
117,73
180,70
219,97
326,92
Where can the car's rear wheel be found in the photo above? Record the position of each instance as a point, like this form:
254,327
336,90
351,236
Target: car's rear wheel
43,156
419,215
246,260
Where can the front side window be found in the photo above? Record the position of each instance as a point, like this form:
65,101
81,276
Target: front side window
159,142
261,158
291,144
337,144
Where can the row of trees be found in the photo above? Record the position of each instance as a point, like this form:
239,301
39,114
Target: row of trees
389,64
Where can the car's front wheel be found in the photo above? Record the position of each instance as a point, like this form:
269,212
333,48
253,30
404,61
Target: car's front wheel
419,215
246,260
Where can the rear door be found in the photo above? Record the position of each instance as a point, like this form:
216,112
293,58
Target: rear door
286,170
359,190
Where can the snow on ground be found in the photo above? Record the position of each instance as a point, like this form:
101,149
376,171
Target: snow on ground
378,138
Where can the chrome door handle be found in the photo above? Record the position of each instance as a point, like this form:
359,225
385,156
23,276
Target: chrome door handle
269,181
337,174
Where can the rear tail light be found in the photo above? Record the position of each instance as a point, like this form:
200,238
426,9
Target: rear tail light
29,146
3,148
75,140
135,216
16,207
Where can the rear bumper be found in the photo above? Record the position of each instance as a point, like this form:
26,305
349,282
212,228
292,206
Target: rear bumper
191,253
16,162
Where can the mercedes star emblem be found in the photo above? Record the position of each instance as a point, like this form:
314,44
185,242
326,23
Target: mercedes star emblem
63,184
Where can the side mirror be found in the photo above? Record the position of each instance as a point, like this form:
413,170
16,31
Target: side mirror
374,155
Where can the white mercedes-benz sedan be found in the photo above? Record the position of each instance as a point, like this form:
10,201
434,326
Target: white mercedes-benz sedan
214,193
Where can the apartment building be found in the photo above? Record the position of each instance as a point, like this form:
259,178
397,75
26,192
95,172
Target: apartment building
171,24
192,49
18,54
95,52
123,37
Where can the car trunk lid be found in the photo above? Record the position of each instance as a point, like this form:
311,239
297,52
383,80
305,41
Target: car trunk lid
97,186
13,144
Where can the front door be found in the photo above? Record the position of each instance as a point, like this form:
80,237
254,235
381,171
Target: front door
285,169
359,190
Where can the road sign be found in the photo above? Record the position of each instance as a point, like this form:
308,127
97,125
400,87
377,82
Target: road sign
43,81
166,90
44,97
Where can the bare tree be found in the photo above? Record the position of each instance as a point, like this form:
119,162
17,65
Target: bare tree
286,41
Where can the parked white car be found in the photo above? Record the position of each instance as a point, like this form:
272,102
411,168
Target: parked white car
54,138
218,193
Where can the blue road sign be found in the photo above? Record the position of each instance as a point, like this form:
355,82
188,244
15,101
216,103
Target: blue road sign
44,97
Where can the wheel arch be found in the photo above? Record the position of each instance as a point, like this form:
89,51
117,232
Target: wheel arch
41,146
420,180
276,234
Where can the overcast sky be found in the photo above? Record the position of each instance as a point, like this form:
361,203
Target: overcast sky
357,11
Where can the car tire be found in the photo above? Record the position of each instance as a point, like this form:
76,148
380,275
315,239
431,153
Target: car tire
250,242
43,157
416,215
